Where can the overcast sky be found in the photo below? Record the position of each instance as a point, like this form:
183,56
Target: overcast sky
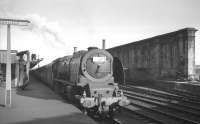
59,25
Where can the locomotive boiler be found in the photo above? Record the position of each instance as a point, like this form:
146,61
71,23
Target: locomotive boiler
86,77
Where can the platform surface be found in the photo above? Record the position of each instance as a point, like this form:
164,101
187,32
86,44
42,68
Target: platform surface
38,104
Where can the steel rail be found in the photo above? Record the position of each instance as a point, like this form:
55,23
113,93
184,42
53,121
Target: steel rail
177,106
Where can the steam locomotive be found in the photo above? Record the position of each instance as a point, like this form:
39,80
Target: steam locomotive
86,77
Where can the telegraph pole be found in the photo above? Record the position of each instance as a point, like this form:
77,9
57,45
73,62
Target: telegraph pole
9,22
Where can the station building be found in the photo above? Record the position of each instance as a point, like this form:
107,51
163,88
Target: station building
20,64
14,66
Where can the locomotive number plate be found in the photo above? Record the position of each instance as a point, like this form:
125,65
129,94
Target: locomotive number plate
99,59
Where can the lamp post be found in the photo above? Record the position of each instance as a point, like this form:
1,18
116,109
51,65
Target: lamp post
10,22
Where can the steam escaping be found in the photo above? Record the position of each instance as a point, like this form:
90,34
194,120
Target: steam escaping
49,31
44,37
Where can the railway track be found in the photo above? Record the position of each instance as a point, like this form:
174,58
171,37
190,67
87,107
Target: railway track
163,103
162,107
112,121
186,94
174,98
106,120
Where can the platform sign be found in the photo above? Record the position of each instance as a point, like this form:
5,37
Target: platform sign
10,22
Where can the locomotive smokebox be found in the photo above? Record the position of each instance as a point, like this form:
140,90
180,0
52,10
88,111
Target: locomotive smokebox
92,48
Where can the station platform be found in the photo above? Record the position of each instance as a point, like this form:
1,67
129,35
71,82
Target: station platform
38,104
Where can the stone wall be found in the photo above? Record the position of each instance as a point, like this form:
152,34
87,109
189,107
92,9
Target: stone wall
168,56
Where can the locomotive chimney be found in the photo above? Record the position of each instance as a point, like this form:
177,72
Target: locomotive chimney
103,44
75,49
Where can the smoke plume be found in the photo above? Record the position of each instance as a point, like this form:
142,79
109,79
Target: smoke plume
50,31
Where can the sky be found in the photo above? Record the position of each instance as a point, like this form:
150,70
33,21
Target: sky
59,25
